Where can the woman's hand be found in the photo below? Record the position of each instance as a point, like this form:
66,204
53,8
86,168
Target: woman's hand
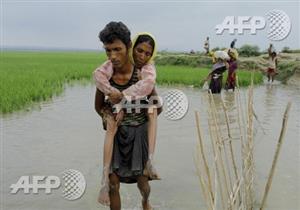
115,97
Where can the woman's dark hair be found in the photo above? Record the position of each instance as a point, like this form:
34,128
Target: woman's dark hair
145,38
113,31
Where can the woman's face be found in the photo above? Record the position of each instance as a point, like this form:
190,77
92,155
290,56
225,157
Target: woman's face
142,54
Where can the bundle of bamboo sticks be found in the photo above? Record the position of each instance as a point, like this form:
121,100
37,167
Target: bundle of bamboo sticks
227,181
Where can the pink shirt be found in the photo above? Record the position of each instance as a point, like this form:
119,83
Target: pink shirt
139,90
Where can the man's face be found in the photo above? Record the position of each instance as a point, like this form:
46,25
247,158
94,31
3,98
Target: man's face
117,53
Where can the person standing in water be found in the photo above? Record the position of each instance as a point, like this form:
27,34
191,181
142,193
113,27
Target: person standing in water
130,150
272,64
141,55
206,45
232,68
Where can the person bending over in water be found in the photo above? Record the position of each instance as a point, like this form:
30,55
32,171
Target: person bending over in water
216,75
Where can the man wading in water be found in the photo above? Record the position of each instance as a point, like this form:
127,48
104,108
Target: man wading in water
130,150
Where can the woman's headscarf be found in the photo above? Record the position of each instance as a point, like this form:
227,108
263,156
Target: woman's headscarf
234,53
133,43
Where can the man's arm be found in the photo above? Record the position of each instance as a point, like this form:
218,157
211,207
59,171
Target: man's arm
270,49
232,44
99,102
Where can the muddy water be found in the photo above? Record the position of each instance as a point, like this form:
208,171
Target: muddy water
66,133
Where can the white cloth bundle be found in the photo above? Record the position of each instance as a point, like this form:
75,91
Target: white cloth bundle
221,55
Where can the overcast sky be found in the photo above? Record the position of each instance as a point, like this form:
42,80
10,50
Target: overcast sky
177,25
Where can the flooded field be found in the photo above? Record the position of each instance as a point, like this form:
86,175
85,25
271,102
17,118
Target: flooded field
66,133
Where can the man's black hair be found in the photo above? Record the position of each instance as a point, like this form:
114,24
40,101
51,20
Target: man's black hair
113,31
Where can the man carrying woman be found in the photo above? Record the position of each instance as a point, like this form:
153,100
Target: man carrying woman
130,137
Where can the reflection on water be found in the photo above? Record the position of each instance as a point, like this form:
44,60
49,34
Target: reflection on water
67,133
269,102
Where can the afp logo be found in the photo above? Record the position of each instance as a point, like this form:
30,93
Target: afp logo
72,182
279,24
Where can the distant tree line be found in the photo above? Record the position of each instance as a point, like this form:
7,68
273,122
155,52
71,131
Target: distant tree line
253,50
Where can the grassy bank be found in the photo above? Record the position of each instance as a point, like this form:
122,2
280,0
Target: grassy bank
288,63
195,76
28,77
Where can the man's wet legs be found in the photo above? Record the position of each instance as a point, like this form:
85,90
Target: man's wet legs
114,194
144,187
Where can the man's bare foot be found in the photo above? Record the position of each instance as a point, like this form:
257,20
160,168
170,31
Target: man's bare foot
151,171
103,197
146,205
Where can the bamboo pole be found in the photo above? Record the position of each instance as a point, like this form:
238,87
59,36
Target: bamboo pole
207,200
230,141
279,144
236,190
241,191
203,155
242,131
231,148
213,108
216,187
249,150
216,158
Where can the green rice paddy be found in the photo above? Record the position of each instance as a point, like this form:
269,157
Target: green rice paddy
28,77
